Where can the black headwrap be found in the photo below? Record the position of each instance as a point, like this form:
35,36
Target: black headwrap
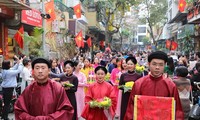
132,59
71,63
40,60
100,68
158,55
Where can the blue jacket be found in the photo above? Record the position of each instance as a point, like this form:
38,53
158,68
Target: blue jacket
10,76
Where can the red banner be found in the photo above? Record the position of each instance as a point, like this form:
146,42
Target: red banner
154,108
32,17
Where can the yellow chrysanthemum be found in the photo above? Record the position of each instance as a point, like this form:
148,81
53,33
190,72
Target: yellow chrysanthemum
129,84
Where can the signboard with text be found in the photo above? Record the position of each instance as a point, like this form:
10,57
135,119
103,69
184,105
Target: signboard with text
32,17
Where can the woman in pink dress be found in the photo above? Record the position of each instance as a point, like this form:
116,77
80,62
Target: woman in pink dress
96,62
80,94
124,69
115,75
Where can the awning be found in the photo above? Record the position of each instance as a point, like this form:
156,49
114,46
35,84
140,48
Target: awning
14,5
179,17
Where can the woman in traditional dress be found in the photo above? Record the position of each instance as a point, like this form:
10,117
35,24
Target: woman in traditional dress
82,82
124,70
88,70
96,91
96,62
131,75
72,79
115,75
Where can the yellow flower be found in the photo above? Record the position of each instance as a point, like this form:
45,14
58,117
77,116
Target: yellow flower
107,77
129,84
104,103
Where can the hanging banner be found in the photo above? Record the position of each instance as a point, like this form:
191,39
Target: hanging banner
32,17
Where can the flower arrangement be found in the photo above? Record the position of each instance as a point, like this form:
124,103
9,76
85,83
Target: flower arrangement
128,86
67,84
107,77
104,103
139,69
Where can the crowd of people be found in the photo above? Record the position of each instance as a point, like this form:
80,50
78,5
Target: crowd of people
73,89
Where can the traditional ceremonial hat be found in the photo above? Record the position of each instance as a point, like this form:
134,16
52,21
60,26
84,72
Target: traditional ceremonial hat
40,60
158,55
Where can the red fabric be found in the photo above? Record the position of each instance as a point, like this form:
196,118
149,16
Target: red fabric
102,43
77,11
150,86
89,42
174,45
181,5
151,107
99,91
43,102
79,39
50,9
168,43
82,44
19,37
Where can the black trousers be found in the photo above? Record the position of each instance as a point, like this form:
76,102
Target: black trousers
7,97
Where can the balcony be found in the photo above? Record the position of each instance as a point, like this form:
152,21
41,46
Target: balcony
83,19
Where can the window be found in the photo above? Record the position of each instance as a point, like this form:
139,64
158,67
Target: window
141,29
140,38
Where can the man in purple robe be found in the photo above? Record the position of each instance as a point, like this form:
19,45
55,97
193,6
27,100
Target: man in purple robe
44,99
155,84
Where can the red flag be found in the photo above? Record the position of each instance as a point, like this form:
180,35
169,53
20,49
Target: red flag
79,39
89,42
19,37
181,5
82,44
174,45
168,43
49,8
77,11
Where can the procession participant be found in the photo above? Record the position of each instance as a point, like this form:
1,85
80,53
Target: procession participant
87,69
96,62
72,79
98,91
130,76
82,82
115,75
9,75
44,98
155,84
123,70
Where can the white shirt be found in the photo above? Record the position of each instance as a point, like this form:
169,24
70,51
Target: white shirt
26,77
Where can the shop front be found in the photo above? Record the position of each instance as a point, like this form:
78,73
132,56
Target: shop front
9,20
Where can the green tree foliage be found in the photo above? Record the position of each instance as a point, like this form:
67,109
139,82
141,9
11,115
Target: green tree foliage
187,43
111,14
146,40
34,41
155,15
